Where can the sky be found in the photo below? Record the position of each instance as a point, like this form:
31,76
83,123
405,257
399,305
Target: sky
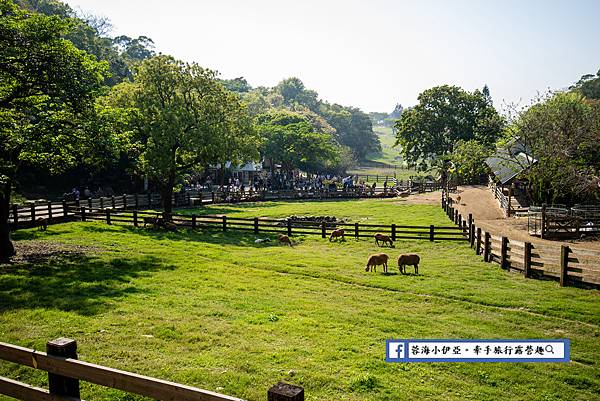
374,54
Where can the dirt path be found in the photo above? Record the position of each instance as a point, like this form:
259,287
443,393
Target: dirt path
478,200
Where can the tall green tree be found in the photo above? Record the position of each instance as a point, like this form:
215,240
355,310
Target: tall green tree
353,127
562,134
289,138
90,34
186,119
47,92
444,116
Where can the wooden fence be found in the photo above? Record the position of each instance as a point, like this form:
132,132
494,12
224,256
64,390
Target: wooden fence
58,212
560,222
565,263
65,371
284,226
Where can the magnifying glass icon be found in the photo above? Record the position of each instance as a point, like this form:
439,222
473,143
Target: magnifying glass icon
549,349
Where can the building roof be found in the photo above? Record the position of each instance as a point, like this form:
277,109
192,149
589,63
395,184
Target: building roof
509,162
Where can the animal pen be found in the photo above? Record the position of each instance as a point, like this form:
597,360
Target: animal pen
558,221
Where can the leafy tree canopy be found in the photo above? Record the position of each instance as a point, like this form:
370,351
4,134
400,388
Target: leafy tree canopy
588,86
185,119
90,33
349,126
290,139
444,116
47,92
562,134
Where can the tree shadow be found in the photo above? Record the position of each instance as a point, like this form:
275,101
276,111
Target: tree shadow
227,208
211,236
72,281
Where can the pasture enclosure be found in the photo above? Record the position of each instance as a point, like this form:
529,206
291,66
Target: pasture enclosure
565,263
558,221
287,226
214,310
57,212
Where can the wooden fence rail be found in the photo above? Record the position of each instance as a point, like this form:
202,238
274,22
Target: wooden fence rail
25,216
65,371
565,263
284,226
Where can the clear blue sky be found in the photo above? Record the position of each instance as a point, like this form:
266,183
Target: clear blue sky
374,54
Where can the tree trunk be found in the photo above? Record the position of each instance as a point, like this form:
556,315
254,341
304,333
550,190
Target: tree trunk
167,195
6,247
222,176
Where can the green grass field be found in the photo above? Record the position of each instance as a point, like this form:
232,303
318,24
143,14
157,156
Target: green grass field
220,312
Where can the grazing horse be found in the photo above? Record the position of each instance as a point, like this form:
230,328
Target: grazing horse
337,234
383,238
377,259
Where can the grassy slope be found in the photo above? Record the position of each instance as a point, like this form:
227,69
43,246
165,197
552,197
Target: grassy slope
226,314
387,155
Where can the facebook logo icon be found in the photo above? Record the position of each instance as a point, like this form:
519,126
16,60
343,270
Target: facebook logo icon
395,351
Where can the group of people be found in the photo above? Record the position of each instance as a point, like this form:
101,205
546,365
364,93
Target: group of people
289,181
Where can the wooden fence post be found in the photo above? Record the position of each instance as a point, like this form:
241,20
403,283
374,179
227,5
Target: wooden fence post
32,210
135,218
124,202
189,199
61,385
112,201
49,211
478,242
289,227
431,232
472,234
543,229
82,213
527,260
65,209
149,199
137,201
460,222
90,203
469,223
487,247
285,392
256,225
456,216
224,223
15,210
102,202
212,194
356,230
508,206
393,232
323,230
564,264
504,254
194,221
108,216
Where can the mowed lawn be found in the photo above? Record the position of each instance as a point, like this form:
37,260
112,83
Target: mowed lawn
217,311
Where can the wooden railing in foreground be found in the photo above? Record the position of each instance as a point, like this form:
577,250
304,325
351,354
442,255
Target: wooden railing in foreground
65,371
565,263
283,226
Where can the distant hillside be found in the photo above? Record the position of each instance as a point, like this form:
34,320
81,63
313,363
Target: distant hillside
388,154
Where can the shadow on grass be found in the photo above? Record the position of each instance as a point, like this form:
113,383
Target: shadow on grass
212,236
227,208
71,281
